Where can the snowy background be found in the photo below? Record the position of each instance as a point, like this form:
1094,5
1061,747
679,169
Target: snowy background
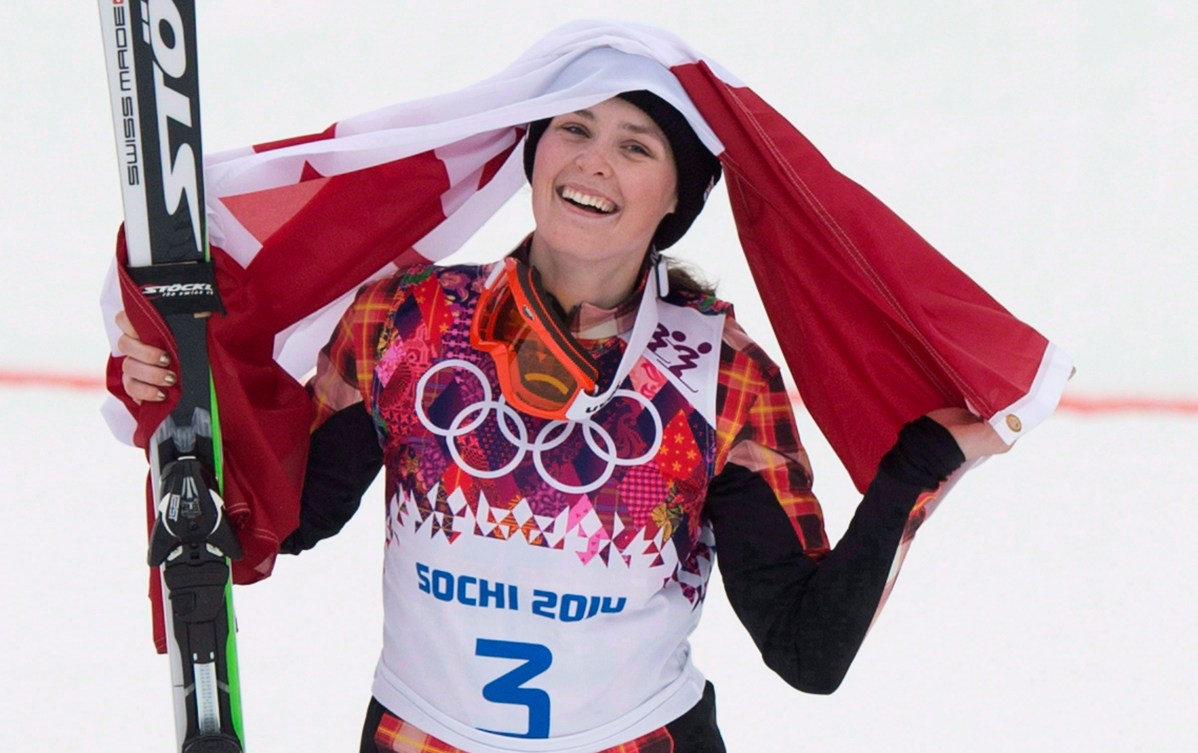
1046,147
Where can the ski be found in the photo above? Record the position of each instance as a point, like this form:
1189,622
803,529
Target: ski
150,48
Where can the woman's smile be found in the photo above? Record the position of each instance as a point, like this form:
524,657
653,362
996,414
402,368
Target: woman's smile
593,203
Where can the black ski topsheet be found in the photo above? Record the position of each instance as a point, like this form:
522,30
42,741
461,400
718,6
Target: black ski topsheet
150,47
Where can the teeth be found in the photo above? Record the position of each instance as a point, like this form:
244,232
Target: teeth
595,202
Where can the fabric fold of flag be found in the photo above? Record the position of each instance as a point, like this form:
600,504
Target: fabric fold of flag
877,327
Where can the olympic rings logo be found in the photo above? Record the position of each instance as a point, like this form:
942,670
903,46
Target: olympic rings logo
512,427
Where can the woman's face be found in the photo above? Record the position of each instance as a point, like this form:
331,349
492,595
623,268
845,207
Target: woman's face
602,180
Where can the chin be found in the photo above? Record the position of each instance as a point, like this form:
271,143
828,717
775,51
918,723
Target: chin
592,243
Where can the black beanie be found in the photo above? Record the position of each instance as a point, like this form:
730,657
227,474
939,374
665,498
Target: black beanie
698,169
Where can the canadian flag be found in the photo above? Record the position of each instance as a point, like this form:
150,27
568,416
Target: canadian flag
876,326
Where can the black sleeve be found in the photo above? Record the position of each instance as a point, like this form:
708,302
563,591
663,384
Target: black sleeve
343,459
809,617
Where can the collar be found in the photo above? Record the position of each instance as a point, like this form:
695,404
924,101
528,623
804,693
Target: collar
590,322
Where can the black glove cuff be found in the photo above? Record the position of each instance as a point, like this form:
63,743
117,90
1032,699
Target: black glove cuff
925,455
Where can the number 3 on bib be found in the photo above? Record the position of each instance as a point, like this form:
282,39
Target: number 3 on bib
508,688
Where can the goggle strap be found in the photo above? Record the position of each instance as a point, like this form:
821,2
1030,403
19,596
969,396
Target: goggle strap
552,327
642,332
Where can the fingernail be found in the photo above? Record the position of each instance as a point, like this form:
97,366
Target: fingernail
169,378
164,360
161,395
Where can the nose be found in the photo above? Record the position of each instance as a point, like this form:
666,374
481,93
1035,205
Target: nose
593,160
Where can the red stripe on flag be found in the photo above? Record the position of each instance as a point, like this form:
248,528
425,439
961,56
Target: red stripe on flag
875,324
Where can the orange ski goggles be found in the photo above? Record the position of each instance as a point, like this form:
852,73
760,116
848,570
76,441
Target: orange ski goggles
542,369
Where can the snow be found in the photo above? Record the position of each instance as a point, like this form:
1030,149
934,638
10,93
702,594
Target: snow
1045,147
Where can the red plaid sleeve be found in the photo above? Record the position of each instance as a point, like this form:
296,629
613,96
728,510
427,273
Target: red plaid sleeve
756,430
345,366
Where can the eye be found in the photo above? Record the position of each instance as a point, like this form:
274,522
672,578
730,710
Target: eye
638,149
573,128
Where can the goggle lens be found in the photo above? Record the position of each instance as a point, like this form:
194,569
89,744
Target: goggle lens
540,372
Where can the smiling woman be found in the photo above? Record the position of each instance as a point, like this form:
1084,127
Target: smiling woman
566,439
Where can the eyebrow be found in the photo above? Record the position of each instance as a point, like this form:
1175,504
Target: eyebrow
633,127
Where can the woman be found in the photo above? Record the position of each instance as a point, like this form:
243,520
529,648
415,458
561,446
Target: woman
555,495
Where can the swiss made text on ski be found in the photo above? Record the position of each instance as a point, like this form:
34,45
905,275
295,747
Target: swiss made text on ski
150,47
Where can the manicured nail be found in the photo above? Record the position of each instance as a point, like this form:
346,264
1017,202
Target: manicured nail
161,395
169,378
164,360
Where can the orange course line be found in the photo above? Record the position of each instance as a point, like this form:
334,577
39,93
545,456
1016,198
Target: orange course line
53,379
1089,404
1128,404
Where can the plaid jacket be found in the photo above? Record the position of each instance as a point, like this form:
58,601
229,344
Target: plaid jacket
399,330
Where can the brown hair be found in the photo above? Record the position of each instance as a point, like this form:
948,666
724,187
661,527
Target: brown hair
687,278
